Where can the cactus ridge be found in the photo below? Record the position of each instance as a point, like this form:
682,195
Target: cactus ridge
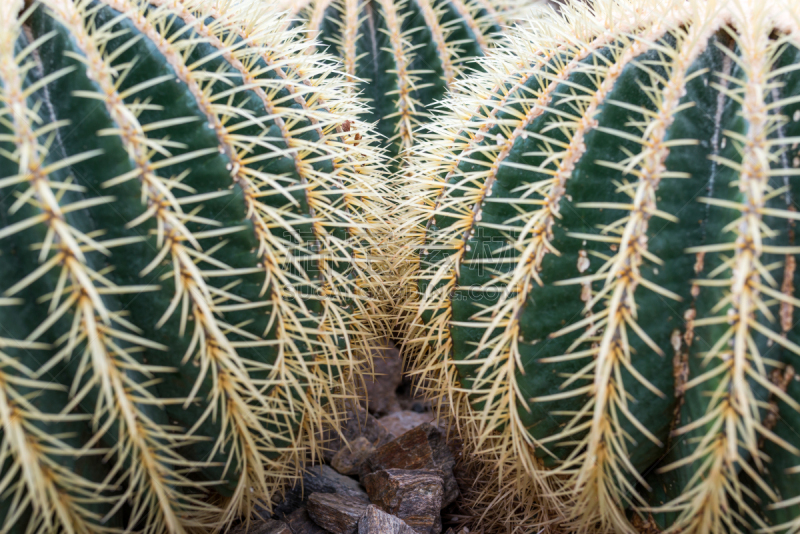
404,55
606,281
194,283
47,466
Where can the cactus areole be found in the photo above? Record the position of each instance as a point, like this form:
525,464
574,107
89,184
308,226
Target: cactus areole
608,267
184,286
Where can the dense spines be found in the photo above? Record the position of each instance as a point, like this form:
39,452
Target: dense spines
98,335
44,489
203,202
404,55
560,231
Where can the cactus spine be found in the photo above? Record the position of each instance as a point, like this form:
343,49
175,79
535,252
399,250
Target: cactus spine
607,285
185,238
404,54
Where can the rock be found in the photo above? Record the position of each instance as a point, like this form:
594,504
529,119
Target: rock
336,513
349,458
424,447
263,526
381,397
376,521
411,398
358,423
300,523
398,423
323,479
318,479
419,407
413,496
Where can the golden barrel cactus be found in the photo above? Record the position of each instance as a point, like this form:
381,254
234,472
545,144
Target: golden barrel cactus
188,205
607,291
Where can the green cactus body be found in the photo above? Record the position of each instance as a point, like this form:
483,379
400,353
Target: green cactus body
607,284
185,233
404,54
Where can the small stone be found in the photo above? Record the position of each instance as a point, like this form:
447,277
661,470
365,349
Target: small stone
318,479
336,513
424,447
398,423
323,479
300,523
412,398
349,458
357,423
413,496
381,396
376,521
263,526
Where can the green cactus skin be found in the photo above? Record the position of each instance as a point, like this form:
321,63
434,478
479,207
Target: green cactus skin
187,292
607,290
404,54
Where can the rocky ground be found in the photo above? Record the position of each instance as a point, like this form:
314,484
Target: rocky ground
390,472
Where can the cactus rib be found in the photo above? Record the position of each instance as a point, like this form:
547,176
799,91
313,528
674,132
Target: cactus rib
403,55
104,362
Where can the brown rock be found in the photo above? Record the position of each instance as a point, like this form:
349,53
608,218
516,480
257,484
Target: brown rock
357,423
424,447
376,521
263,526
413,496
349,458
381,396
300,523
318,479
336,513
398,423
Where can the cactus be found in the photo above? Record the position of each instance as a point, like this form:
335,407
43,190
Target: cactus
188,203
404,54
607,285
